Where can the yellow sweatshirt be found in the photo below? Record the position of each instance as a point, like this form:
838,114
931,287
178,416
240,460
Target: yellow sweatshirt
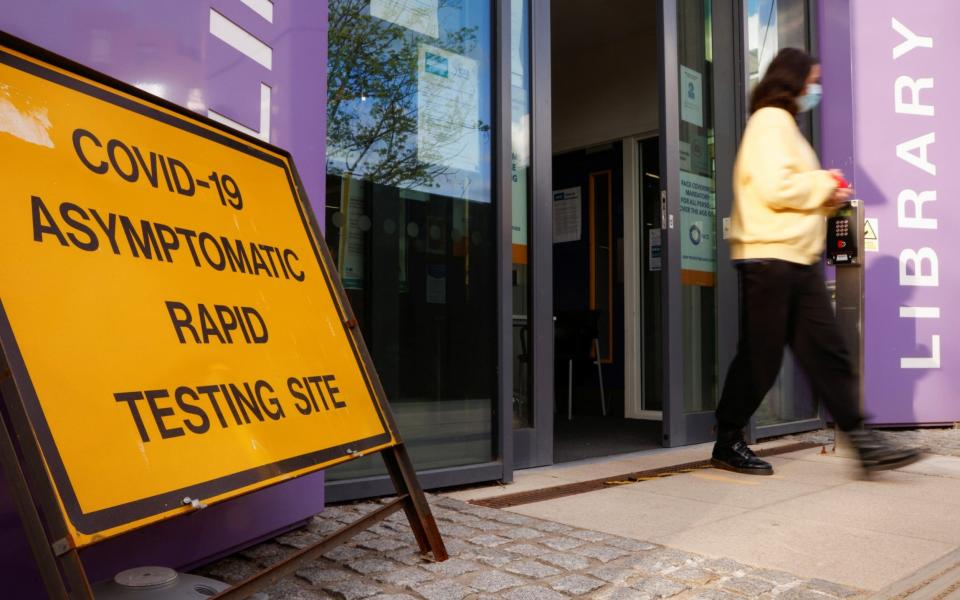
779,191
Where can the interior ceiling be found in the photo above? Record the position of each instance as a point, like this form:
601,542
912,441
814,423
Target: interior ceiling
579,25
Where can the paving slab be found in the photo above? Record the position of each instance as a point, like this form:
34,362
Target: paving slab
863,508
628,511
812,549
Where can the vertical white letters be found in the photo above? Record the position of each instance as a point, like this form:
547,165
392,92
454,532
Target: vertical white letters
910,40
915,152
916,259
924,362
914,106
915,220
919,268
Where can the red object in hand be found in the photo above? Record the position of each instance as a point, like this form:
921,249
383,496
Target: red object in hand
841,182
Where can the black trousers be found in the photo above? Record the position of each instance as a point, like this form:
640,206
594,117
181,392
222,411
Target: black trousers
787,303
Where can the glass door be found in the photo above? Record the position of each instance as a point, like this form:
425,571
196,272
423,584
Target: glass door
698,143
771,25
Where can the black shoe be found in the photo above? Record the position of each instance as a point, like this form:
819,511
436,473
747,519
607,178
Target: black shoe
878,455
736,456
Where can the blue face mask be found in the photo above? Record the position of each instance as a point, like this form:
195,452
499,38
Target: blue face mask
811,98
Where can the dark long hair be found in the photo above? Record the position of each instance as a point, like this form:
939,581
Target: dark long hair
784,81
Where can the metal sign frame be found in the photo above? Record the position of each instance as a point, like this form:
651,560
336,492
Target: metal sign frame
32,484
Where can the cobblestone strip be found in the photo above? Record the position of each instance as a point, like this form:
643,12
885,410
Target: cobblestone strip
498,555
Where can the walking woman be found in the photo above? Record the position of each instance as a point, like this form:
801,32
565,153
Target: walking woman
782,199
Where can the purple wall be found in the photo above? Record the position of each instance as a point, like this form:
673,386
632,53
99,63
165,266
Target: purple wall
168,48
862,128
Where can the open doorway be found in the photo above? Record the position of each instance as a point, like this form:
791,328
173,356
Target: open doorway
607,224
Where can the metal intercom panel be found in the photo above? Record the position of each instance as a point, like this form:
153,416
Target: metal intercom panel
844,235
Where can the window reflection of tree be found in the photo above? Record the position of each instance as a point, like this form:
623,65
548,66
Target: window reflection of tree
372,96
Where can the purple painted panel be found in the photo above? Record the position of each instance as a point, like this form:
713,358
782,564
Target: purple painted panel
904,381
167,48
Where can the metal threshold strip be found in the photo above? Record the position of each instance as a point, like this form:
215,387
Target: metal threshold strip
582,487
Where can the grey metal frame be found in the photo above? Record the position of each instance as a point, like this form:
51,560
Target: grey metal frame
534,446
674,424
730,111
681,428
503,147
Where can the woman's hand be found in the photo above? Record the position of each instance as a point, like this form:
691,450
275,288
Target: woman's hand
840,194
839,198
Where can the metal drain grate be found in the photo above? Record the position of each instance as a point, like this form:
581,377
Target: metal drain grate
581,487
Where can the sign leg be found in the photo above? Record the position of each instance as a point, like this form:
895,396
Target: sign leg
418,510
32,525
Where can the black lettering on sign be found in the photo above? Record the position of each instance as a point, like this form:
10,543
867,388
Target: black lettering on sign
333,391
160,413
118,166
196,411
275,409
78,135
307,389
220,322
131,399
40,214
296,390
180,173
109,228
150,172
129,162
87,229
146,241
66,212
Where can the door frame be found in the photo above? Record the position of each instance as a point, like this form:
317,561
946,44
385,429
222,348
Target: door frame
533,446
633,278
681,428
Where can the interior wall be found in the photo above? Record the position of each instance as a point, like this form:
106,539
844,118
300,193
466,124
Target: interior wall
605,82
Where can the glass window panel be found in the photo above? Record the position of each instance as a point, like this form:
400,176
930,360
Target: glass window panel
772,26
520,139
410,217
698,214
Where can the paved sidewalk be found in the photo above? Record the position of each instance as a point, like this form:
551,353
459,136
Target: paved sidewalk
935,440
501,555
709,535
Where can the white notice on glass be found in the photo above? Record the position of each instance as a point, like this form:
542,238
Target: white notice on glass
566,215
655,249
448,109
691,96
421,16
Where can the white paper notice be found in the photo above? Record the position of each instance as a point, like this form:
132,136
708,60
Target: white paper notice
421,16
691,96
448,109
566,215
698,214
655,249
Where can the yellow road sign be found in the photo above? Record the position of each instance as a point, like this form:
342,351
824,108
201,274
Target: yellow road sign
171,320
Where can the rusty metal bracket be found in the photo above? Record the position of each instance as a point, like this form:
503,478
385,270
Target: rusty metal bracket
62,546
